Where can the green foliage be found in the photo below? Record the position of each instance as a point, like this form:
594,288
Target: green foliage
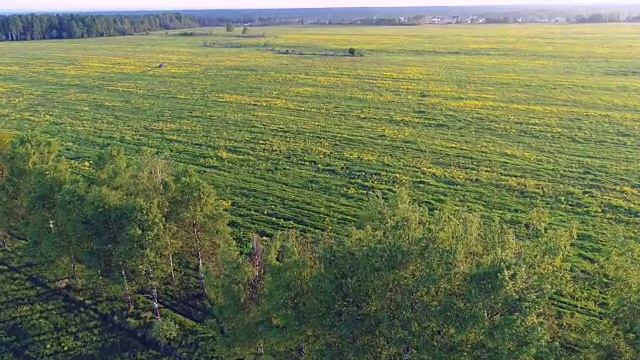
155,182
197,220
75,26
71,240
5,142
26,156
45,185
600,18
230,28
624,269
406,281
229,293
443,285
352,51
114,217
165,331
245,30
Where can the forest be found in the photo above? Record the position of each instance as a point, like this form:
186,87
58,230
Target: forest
76,26
405,281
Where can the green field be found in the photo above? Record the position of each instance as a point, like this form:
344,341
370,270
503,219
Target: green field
496,119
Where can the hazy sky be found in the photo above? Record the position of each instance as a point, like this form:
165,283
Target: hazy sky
59,5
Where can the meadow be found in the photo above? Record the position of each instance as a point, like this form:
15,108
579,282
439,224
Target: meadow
495,119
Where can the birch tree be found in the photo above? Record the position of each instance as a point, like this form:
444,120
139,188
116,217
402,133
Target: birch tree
42,227
72,240
25,154
407,283
5,144
154,183
125,223
197,220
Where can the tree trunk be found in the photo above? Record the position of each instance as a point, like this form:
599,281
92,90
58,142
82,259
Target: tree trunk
100,281
173,275
127,294
406,352
200,270
156,311
256,258
201,273
261,347
4,242
154,293
74,273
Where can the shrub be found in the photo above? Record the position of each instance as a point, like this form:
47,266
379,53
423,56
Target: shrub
165,331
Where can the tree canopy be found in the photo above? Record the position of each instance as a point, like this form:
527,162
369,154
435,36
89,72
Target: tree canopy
405,282
76,26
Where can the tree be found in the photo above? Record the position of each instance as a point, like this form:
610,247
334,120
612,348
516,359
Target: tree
25,154
106,221
352,51
197,219
125,222
154,182
232,308
406,283
165,331
53,26
41,226
5,144
230,27
72,241
623,267
16,28
75,31
245,30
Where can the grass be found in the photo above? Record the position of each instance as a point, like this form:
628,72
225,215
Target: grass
42,318
497,119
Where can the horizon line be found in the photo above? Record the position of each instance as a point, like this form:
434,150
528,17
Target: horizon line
594,3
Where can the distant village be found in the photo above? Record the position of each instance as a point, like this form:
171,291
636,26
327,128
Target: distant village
437,20
441,20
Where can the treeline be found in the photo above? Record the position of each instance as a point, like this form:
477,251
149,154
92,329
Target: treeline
405,283
77,26
532,13
605,18
212,21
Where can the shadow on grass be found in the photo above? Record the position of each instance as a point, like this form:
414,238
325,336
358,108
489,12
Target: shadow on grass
22,343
